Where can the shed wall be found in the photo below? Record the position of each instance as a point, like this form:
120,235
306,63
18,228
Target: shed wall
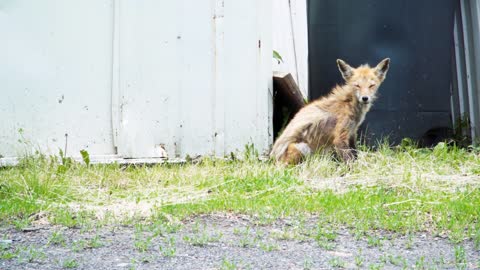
133,77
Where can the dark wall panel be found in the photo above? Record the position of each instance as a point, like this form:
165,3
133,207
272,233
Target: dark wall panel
416,35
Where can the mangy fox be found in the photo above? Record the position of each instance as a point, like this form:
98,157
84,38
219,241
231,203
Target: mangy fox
331,122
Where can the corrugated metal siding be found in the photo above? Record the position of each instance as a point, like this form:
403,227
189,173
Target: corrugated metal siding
191,76
467,54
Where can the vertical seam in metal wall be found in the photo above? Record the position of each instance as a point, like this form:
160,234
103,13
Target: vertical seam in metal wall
293,41
259,75
213,4
466,22
309,68
218,97
459,55
115,91
459,62
476,62
178,140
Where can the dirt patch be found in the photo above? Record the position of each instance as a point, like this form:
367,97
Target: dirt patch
228,242
443,183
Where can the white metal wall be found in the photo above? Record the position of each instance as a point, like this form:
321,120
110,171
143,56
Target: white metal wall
55,76
132,77
290,39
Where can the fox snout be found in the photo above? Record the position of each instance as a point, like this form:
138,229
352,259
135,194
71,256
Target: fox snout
365,97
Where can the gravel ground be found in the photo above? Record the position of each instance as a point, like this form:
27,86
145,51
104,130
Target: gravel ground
228,242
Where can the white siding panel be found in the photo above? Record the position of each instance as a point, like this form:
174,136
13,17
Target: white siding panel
166,59
135,76
290,39
248,60
55,74
194,86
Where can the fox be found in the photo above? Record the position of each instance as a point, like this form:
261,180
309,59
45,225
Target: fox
330,123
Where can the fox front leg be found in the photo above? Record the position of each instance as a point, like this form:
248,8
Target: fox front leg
344,142
344,152
352,144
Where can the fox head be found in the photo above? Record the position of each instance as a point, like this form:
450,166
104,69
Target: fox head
364,80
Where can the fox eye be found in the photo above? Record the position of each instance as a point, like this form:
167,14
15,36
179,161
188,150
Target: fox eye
372,85
357,85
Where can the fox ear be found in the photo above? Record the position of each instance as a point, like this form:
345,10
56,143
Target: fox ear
345,69
382,68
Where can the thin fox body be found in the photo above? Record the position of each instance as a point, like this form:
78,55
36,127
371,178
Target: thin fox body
331,122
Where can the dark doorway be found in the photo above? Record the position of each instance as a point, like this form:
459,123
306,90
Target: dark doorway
414,101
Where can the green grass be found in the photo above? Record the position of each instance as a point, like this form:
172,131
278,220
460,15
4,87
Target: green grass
56,238
168,248
400,189
70,264
336,263
460,258
228,265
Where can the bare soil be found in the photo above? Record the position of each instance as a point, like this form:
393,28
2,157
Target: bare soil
232,242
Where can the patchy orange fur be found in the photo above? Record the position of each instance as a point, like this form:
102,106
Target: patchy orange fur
331,122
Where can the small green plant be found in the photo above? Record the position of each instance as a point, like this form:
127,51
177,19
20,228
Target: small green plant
133,264
8,255
409,242
66,162
85,157
277,57
384,258
267,247
5,245
307,263
169,248
250,153
94,242
325,238
326,244
336,263
326,234
460,257
5,252
21,223
70,264
397,260
142,244
228,264
420,263
440,261
247,239
57,238
373,241
237,231
202,239
287,234
476,239
162,227
31,254
65,217
359,260
79,245
147,258
375,266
